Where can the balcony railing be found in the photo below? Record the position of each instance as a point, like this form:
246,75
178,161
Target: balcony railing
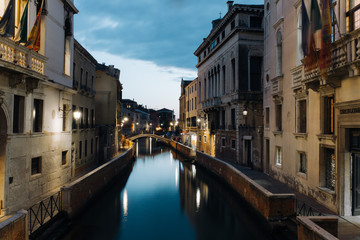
211,102
21,56
297,76
345,52
276,85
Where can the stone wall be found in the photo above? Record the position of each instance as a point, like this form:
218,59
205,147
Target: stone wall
317,228
77,194
182,149
272,207
14,227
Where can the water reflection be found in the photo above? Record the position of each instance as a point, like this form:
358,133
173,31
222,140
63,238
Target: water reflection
167,199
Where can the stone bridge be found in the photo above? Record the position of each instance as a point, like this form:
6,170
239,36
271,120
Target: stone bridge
146,135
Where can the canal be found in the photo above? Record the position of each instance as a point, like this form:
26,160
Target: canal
166,198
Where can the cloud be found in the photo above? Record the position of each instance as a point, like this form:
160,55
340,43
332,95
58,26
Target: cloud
146,82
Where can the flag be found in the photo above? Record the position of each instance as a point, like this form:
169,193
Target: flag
33,40
304,29
326,31
314,33
7,22
21,35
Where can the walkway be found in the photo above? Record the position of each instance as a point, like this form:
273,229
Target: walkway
348,227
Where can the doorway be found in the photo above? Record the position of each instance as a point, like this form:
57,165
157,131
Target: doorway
356,184
247,153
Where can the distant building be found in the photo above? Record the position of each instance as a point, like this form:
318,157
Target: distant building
230,86
85,136
166,119
108,109
183,104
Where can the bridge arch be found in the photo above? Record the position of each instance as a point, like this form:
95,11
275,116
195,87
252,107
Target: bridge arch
146,135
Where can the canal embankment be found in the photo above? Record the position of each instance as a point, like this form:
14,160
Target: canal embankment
75,196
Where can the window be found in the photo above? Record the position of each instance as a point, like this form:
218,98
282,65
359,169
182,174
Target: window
278,156
328,168
64,114
81,110
232,25
352,15
37,115
267,117
86,118
223,119
223,142
300,53
301,116
92,146
224,80
81,78
80,149
199,138
255,73
64,157
278,117
233,74
205,139
328,115
85,148
278,53
223,34
86,79
256,22
302,163
18,119
35,165
73,118
92,83
233,119
74,76
233,143
92,118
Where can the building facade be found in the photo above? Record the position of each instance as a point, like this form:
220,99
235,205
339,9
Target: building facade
230,86
312,118
192,121
182,104
35,103
85,137
108,110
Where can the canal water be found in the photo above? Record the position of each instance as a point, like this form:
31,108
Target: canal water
167,198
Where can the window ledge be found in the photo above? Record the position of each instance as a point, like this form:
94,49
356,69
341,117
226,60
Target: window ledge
326,190
278,165
277,132
302,175
331,137
300,135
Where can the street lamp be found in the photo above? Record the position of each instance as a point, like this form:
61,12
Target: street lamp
77,115
245,112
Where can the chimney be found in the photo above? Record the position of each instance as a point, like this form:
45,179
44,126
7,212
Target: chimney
230,4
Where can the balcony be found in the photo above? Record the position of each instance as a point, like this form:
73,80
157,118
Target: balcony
297,75
211,103
345,62
22,60
276,84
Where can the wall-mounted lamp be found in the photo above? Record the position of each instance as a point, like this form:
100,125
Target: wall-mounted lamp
245,112
77,115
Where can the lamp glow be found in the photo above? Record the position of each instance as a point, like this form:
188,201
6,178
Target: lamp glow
77,115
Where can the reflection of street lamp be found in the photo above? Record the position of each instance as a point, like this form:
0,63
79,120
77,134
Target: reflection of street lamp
125,119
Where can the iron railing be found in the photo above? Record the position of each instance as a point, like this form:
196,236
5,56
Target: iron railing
302,209
44,211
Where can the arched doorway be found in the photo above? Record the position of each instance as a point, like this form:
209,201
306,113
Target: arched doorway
3,138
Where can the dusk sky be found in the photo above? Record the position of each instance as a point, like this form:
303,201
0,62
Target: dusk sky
151,41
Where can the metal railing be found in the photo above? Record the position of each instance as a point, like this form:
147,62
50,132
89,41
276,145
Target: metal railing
44,211
304,210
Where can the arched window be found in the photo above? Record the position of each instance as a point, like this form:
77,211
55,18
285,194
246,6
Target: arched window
278,53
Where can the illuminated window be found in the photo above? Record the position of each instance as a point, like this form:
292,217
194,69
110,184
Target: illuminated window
37,115
278,156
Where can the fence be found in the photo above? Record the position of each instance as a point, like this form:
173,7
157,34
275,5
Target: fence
44,211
